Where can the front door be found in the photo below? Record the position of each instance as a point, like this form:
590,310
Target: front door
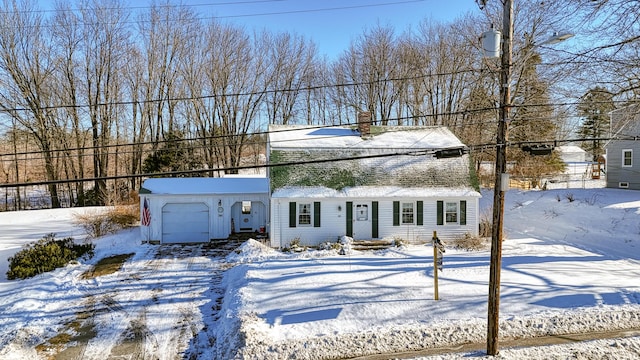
362,220
248,216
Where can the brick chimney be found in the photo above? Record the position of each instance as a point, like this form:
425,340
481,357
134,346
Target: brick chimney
364,123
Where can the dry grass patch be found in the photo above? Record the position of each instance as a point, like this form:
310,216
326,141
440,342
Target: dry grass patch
106,266
97,223
470,242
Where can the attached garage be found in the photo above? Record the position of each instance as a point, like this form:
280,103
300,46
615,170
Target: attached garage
197,210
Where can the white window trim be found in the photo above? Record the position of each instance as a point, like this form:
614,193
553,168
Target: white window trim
624,151
246,207
446,221
413,212
299,214
357,213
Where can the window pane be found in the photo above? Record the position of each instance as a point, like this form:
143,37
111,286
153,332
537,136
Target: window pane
626,157
246,207
362,212
304,214
407,213
451,212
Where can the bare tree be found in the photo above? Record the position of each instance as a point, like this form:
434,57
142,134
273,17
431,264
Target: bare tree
321,99
103,43
610,56
290,60
370,64
66,35
445,72
236,76
165,31
26,73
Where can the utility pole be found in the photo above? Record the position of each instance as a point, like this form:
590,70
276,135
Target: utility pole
500,178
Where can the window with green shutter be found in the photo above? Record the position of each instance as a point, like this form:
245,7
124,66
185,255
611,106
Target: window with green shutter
374,219
396,213
316,214
349,219
292,214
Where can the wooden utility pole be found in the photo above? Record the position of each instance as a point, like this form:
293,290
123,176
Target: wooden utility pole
500,169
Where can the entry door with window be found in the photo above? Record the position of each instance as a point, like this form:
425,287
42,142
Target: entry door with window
246,217
362,221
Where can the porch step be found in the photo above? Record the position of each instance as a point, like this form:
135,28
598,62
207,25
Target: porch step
243,236
363,245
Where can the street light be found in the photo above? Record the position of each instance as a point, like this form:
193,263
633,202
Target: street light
501,177
557,37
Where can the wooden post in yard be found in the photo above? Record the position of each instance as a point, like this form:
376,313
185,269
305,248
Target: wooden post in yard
435,266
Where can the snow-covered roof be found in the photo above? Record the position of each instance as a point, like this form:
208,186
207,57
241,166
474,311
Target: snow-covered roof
570,149
195,186
572,153
340,137
371,192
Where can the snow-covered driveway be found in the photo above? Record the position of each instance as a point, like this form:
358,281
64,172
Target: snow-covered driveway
156,306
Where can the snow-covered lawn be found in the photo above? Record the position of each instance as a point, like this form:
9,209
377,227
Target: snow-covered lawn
571,263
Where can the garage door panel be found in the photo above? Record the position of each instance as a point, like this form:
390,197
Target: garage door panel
185,222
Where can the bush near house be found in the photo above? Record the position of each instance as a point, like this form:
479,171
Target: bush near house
45,255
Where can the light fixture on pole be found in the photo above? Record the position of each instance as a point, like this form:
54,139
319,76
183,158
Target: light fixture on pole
557,37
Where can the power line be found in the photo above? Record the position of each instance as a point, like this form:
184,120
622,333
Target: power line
249,143
233,169
202,17
238,94
420,152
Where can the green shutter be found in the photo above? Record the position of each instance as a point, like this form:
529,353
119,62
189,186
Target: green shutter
463,212
349,218
419,209
316,214
374,219
396,213
292,214
440,220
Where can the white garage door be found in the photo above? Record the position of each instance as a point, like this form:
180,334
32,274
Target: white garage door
185,223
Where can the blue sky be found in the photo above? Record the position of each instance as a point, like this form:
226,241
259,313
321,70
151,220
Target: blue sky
332,24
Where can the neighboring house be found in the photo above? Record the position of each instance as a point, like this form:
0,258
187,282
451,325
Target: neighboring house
572,154
192,210
623,155
403,182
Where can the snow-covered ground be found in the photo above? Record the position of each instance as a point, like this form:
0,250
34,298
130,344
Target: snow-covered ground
571,264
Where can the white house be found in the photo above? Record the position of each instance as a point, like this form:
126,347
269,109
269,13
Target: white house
317,215
369,183
192,210
572,154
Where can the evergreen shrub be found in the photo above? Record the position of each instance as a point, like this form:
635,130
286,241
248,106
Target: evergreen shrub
45,255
